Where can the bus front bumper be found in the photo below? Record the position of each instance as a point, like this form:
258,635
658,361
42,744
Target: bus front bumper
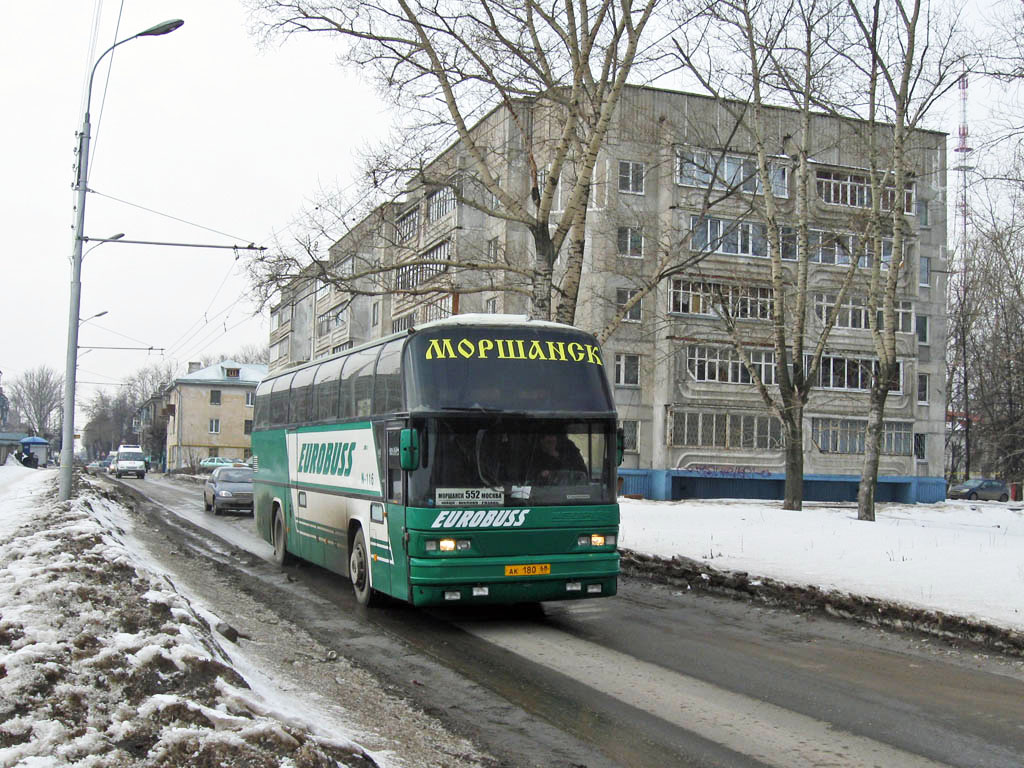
482,580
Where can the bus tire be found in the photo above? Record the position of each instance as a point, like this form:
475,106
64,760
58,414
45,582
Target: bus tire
359,571
281,555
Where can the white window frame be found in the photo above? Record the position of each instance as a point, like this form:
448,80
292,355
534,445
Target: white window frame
631,435
923,395
491,306
622,369
706,363
408,225
745,431
838,369
697,168
853,190
250,398
630,236
728,237
628,173
323,323
622,297
440,203
214,426
375,314
924,270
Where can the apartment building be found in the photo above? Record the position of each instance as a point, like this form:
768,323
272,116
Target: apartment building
695,425
209,412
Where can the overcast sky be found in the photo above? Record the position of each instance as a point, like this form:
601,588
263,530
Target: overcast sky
201,125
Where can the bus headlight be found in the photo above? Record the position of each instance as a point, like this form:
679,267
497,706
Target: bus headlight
430,545
447,545
596,540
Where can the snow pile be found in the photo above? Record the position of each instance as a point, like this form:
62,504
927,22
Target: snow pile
103,663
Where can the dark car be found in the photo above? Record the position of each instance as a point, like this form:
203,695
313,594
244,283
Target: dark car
980,488
228,488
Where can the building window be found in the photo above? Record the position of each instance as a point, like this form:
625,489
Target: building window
834,435
631,242
728,237
411,276
622,297
924,270
740,302
438,310
631,435
340,317
738,431
232,373
904,312
841,188
341,347
697,168
408,225
706,363
493,249
922,329
627,370
375,319
247,427
922,213
323,324
402,323
214,397
922,389
852,373
323,288
279,318
440,203
250,398
631,177
214,426
491,306
920,447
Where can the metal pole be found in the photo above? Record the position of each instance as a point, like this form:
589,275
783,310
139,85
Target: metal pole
67,448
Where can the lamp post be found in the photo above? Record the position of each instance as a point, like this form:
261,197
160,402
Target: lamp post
67,450
92,317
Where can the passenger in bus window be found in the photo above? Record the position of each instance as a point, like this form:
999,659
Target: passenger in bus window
559,461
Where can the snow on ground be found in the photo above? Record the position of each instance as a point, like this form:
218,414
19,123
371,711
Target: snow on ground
958,557
104,663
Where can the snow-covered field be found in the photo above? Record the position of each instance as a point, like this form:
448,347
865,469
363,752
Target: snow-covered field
959,557
104,663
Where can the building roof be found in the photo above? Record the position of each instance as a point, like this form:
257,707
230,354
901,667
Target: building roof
248,373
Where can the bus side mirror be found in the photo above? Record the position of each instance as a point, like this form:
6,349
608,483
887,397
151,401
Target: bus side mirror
409,449
620,445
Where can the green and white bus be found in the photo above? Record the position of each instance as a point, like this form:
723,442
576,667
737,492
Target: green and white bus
472,459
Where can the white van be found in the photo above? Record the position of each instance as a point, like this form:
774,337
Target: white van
129,461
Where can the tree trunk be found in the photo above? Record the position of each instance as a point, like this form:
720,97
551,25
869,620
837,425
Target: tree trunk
540,307
872,454
794,451
566,310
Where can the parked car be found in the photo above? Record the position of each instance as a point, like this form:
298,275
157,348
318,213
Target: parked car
98,467
228,488
980,488
219,461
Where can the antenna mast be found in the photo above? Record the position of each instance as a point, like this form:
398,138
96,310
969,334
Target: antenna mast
964,151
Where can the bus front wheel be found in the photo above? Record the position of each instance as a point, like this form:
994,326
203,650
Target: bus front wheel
359,571
281,556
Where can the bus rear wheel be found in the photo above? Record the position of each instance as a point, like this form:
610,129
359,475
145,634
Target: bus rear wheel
281,556
359,571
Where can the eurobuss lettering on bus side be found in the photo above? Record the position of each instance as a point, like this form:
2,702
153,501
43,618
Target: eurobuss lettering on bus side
472,459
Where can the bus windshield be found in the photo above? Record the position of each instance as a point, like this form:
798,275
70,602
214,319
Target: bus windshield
514,461
528,370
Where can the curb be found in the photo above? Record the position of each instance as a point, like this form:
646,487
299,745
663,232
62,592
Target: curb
738,585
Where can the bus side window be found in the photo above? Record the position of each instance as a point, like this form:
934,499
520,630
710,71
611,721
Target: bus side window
387,392
261,410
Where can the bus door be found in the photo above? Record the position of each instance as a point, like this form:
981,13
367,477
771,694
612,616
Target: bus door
392,528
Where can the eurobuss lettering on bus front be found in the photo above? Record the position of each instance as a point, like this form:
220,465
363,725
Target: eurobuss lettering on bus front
472,459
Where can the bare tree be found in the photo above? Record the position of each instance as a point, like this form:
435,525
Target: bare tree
907,57
754,56
37,395
514,89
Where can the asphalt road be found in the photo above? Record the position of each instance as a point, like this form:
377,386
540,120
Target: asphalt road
652,677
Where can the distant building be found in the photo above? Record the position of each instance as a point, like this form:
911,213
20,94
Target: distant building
694,423
209,412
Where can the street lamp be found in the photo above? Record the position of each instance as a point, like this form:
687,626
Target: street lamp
67,450
92,317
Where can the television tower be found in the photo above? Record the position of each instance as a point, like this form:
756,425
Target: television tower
964,151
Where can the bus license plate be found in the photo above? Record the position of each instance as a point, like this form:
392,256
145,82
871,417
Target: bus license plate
532,569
